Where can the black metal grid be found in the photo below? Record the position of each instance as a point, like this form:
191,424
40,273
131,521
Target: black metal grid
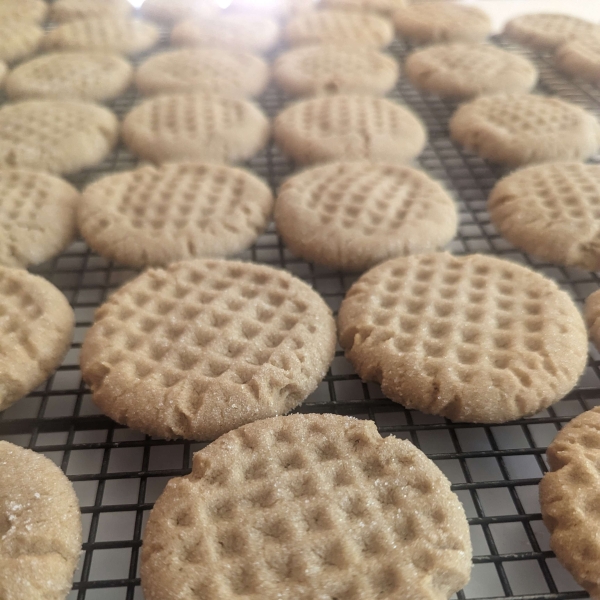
118,473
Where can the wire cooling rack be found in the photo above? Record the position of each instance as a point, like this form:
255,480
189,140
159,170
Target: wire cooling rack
118,473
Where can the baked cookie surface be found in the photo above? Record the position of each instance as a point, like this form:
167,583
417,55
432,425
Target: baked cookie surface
592,317
95,76
62,11
18,40
304,507
34,11
472,338
36,328
462,70
580,57
215,70
333,69
169,11
352,215
40,527
349,127
58,136
155,216
195,126
205,346
518,129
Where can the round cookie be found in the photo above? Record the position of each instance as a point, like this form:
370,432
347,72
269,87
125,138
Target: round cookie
569,495
58,136
252,33
40,527
339,27
471,338
431,22
104,34
36,329
91,76
465,70
62,11
350,128
37,217
518,129
215,70
155,216
34,11
197,126
330,69
169,11
305,507
18,40
206,346
551,211
546,31
580,57
352,215
386,7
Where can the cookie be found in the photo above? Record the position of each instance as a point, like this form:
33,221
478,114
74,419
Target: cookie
385,7
331,69
471,338
352,215
3,72
305,507
40,527
104,34
18,40
198,126
518,129
34,11
431,22
546,31
349,127
62,11
37,217
214,70
569,496
156,216
551,211
580,57
252,33
465,70
206,346
58,136
92,76
339,27
592,317
169,11
36,328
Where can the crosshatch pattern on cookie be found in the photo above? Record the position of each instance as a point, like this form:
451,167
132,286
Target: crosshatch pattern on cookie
215,344
336,26
569,497
322,507
551,211
36,327
472,338
331,69
355,214
174,212
37,216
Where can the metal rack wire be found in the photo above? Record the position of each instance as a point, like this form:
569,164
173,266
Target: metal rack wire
118,473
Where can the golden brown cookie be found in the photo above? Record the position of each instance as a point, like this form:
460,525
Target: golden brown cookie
352,215
34,11
40,527
206,346
306,507
18,40
62,11
432,22
592,317
36,328
318,69
215,70
569,495
580,57
156,216
518,129
472,338
349,127
198,126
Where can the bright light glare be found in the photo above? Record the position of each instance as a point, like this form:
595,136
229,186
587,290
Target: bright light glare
136,3
223,4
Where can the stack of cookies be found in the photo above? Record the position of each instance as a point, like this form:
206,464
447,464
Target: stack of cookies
202,347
